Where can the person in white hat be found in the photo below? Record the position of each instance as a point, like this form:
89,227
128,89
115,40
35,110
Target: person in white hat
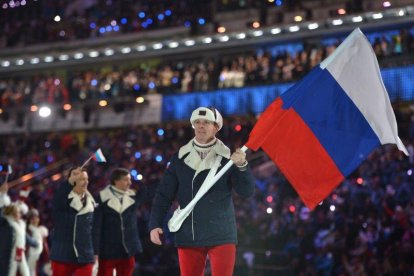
210,229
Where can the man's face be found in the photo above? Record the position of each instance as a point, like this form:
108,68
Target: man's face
204,130
123,183
81,183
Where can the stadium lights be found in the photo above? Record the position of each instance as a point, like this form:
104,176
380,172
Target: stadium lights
157,46
141,48
207,40
224,38
63,57
48,59
34,61
389,14
78,55
45,111
93,54
258,33
5,63
313,26
109,52
173,44
126,50
275,31
241,36
189,42
294,28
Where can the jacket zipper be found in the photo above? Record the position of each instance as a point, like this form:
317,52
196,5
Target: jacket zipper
122,231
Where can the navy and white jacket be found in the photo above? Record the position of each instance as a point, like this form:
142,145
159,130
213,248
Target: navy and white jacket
72,233
212,221
115,231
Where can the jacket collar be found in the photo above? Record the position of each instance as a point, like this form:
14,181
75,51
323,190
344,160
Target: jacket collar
76,203
194,161
114,203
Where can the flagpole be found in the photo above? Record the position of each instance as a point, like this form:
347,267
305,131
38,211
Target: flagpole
179,216
7,178
86,162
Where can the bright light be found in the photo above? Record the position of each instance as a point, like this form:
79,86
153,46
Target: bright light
269,210
241,36
45,111
109,52
160,132
256,24
269,199
67,107
5,63
103,103
294,28
189,42
360,181
377,16
140,99
341,11
57,18
332,208
292,208
173,44
125,50
93,54
401,12
337,22
157,46
356,19
141,48
258,33
386,4
34,108
275,31
313,26
410,172
48,59
63,57
224,38
78,55
298,18
34,61
207,40
19,62
139,177
221,29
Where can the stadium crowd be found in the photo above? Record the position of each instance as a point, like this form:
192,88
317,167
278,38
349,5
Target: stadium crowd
365,227
166,77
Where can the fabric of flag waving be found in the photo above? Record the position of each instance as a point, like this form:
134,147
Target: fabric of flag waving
98,156
326,125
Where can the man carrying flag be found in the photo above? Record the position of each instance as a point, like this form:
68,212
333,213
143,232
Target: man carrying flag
326,125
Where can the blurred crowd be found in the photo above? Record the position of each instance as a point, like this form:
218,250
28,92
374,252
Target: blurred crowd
365,227
166,77
35,22
30,22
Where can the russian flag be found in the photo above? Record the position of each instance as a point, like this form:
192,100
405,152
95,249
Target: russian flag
98,156
326,125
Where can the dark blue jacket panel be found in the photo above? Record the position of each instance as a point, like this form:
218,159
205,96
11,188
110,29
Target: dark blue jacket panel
115,231
72,233
6,246
212,221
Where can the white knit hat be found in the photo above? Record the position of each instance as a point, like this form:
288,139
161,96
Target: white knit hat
207,113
